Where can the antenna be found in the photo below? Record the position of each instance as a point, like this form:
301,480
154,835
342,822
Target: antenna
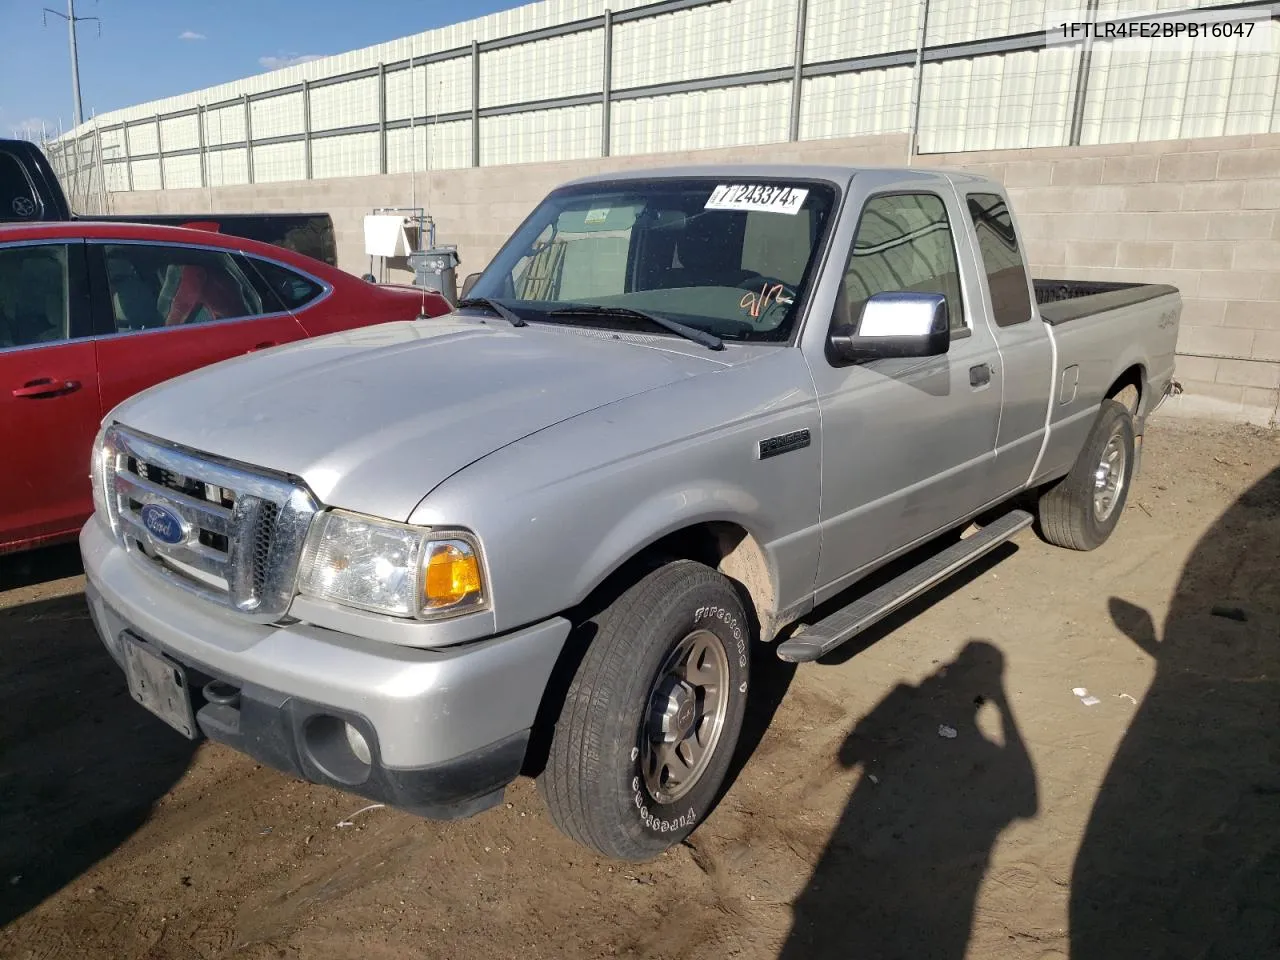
72,20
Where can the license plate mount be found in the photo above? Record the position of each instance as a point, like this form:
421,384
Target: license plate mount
159,683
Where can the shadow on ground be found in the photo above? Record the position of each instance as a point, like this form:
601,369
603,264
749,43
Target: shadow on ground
1181,856
33,567
80,763
901,872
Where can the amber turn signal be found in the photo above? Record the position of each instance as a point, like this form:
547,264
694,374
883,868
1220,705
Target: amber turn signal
452,575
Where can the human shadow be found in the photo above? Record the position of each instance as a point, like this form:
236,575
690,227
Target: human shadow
1181,855
900,874
81,764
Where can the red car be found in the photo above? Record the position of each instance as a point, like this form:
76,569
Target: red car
91,313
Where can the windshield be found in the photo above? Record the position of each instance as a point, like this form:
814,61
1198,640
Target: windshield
731,257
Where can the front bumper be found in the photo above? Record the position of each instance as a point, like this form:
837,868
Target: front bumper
446,729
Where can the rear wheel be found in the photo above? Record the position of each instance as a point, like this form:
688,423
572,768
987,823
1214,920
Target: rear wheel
1082,509
649,725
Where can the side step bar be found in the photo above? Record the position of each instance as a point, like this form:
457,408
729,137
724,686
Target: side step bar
819,639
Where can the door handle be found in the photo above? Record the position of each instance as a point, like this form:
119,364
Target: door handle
46,387
980,375
264,345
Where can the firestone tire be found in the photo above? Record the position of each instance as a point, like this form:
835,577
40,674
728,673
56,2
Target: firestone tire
1081,510
652,716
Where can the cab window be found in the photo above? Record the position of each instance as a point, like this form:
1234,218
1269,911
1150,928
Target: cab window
1001,258
904,243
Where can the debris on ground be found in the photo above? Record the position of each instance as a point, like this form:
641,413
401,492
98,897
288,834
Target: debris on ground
350,821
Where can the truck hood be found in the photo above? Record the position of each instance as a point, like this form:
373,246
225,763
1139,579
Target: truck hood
373,419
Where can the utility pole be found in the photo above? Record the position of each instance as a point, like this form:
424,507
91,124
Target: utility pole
72,20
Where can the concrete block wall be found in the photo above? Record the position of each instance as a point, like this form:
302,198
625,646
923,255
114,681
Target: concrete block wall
1200,214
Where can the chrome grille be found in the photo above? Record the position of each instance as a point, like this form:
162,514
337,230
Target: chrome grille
242,530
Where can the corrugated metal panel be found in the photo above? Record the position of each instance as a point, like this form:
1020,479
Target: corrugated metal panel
857,104
704,42
347,104
561,67
836,29
116,177
956,21
446,88
353,155
180,133
181,172
227,168
1205,105
405,93
224,125
998,102
449,86
142,138
701,120
1113,105
277,117
1019,99
1254,88
273,162
567,134
146,174
449,146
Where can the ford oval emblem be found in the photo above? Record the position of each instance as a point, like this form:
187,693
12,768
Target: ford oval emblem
163,524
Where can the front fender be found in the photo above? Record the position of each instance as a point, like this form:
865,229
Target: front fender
559,511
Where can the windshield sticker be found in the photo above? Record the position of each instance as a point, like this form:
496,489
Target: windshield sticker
597,215
756,303
745,196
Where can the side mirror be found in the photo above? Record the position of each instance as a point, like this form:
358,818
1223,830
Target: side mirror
468,283
894,325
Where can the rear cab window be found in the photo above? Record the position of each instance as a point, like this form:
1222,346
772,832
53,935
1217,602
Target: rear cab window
1002,259
731,258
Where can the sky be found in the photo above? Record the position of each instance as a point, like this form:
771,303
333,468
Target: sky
158,48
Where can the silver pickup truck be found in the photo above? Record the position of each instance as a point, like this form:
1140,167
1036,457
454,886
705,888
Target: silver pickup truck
678,411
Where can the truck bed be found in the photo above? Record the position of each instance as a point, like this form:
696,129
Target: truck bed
1064,300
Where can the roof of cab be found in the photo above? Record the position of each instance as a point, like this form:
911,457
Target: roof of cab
839,175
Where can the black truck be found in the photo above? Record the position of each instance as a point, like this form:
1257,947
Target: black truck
30,191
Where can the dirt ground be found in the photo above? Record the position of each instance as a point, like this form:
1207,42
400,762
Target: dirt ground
1145,822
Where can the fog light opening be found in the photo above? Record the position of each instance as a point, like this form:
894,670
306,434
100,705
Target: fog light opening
340,749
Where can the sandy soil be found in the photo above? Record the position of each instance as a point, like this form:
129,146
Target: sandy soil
1145,824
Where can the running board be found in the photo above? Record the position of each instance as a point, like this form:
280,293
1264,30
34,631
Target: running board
819,639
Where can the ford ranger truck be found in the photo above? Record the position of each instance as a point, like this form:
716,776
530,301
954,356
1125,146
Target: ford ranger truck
677,412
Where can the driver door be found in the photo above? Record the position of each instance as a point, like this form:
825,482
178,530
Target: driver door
907,444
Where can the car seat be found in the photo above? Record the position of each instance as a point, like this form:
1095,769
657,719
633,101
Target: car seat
194,294
132,301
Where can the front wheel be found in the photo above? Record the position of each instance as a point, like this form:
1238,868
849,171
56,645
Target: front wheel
1082,509
649,725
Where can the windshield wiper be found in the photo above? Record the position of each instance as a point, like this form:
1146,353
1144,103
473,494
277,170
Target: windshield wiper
493,306
708,340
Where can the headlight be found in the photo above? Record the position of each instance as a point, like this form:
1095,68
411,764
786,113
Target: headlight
391,568
102,469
